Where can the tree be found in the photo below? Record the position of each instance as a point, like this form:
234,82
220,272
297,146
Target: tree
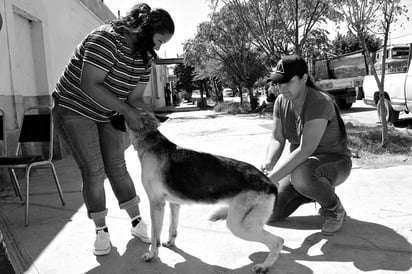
184,75
279,27
346,43
226,45
365,17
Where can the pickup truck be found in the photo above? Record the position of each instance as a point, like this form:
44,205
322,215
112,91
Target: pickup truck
398,82
342,77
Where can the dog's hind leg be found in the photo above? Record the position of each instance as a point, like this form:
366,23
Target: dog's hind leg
157,209
174,222
247,216
219,215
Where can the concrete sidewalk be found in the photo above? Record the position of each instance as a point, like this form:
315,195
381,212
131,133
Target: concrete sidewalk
376,237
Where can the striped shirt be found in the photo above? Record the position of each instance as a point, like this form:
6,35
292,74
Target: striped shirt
107,50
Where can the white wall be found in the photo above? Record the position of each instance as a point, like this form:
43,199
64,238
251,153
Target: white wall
39,37
37,40
157,84
5,73
68,23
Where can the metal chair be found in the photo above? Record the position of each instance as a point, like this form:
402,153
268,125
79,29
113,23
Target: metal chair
3,141
37,129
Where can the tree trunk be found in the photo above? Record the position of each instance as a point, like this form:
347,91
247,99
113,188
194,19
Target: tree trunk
297,46
253,101
381,106
202,90
380,83
219,95
382,88
240,94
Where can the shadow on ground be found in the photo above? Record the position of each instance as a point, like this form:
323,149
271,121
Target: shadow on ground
404,123
130,262
357,109
47,216
369,246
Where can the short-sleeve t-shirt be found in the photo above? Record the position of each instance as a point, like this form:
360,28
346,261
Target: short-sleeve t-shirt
317,105
106,49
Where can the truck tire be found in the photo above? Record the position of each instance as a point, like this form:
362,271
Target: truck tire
343,105
392,115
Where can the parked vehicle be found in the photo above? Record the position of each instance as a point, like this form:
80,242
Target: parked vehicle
342,77
228,92
397,85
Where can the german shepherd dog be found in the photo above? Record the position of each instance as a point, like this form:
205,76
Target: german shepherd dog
180,176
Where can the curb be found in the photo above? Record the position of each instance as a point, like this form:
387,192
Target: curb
19,259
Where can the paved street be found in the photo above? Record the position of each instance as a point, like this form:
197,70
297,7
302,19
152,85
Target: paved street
376,237
365,114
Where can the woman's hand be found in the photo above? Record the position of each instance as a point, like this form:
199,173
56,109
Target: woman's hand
133,118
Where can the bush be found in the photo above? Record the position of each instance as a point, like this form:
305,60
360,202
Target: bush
368,152
369,140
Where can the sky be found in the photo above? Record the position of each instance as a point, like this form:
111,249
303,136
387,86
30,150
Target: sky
186,14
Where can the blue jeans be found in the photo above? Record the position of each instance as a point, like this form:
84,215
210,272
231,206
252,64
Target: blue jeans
314,180
98,150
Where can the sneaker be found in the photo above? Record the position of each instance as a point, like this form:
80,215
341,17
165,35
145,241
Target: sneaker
334,218
102,244
140,230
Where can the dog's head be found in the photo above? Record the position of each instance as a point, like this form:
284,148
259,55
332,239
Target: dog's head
150,123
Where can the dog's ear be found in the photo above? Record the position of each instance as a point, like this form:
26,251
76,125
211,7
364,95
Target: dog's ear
161,118
150,122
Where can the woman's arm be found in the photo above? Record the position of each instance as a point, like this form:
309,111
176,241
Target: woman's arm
135,98
276,145
91,82
311,136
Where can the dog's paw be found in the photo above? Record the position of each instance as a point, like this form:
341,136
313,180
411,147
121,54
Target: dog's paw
169,244
260,269
148,257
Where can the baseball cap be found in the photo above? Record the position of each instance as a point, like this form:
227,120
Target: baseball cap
287,68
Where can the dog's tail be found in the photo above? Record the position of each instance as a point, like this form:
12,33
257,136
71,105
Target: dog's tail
219,215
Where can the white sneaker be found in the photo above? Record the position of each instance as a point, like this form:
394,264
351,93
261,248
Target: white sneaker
140,230
102,244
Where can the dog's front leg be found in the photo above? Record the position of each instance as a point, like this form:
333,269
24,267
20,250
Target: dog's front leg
157,209
174,222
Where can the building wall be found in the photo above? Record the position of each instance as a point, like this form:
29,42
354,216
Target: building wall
36,41
156,88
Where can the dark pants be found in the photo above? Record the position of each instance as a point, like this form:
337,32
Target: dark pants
314,180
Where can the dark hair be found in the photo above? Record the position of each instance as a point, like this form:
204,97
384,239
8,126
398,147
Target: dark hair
141,22
311,84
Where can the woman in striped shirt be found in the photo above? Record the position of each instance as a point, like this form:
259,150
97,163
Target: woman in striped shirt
107,74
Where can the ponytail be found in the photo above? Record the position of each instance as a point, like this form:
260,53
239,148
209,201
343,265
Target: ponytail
310,83
142,22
